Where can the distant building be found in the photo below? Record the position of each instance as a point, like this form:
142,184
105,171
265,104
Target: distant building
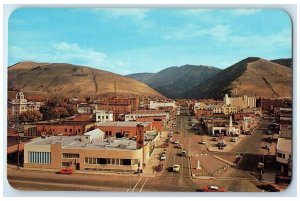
20,104
103,115
64,128
147,113
240,102
160,105
121,129
225,109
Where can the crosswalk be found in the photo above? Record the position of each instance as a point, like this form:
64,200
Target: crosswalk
139,186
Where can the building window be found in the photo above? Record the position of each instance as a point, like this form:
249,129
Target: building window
66,130
280,155
71,155
70,130
79,130
106,117
39,157
65,164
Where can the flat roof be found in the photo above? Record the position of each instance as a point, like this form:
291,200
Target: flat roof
284,144
74,142
123,123
81,123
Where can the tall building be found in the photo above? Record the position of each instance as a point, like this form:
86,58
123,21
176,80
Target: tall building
240,102
20,104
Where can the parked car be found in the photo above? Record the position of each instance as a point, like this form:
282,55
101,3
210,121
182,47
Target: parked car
235,139
179,146
183,153
163,157
176,168
270,187
213,189
67,171
260,165
202,142
175,142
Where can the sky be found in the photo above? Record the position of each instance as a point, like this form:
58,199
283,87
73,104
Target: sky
135,40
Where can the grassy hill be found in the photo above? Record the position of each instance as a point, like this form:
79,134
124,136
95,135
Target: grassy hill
66,80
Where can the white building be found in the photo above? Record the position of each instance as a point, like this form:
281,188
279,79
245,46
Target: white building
240,102
283,152
132,117
224,109
104,115
20,104
157,105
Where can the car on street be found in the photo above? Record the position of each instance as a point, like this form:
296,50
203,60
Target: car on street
176,168
235,139
270,187
175,142
213,189
179,146
183,153
202,142
67,171
162,157
260,165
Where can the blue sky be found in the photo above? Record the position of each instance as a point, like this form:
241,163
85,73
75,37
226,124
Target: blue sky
133,40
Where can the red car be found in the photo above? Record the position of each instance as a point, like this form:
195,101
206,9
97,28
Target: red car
67,171
213,189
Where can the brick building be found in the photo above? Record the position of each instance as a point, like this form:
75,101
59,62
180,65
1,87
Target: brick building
157,122
121,129
199,113
64,128
88,153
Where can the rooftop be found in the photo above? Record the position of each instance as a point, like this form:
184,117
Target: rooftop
74,142
81,123
123,124
284,144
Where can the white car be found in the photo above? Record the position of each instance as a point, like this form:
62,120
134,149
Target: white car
235,139
163,157
176,168
176,142
202,142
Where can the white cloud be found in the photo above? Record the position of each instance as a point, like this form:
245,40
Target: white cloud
136,13
275,40
245,11
195,11
218,32
63,52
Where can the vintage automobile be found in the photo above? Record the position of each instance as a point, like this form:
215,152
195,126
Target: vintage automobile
213,189
67,171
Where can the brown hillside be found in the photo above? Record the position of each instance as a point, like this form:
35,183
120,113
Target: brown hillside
70,80
264,78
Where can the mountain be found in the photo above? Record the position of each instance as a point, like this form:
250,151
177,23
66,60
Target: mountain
173,82
67,80
285,62
252,76
142,77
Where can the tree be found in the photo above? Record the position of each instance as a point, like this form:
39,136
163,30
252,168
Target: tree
59,112
30,116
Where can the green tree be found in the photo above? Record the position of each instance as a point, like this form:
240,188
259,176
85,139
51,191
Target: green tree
30,116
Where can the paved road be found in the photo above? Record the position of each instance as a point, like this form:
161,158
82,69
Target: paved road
163,182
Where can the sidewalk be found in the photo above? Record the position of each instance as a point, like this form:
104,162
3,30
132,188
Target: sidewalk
148,171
